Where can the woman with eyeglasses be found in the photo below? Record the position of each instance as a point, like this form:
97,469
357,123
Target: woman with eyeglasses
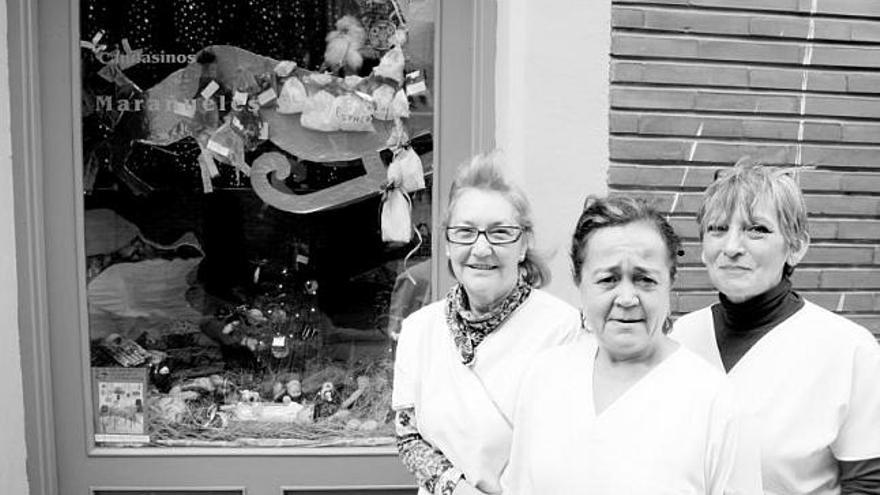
459,360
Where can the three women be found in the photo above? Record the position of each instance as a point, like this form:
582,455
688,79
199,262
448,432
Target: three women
628,410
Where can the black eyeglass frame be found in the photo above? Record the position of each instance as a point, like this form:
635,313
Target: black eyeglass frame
485,233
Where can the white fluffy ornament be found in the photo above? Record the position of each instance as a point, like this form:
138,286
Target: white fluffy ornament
344,44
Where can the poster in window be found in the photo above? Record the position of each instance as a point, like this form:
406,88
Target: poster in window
120,412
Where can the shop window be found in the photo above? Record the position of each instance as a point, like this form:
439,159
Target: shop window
258,193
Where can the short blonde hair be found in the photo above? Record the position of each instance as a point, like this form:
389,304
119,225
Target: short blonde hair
485,172
746,185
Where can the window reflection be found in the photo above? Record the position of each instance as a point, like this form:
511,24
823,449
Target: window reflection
236,164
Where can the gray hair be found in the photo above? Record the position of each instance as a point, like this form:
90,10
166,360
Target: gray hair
746,185
485,172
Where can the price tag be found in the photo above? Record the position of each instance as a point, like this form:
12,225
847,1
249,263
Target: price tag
415,83
240,98
301,258
267,96
264,130
218,148
279,341
125,45
210,89
185,109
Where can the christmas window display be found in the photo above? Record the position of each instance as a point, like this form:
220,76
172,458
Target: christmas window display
257,188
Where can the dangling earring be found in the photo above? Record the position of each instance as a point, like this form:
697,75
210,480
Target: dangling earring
584,321
667,324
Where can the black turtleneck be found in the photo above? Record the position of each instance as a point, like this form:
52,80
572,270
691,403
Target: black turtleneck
738,326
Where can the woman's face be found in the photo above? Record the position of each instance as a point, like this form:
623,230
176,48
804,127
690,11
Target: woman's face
745,256
488,272
625,285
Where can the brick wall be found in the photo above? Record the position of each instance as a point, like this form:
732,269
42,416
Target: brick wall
696,84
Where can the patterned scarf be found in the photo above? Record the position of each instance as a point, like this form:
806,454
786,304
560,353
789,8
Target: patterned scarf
469,330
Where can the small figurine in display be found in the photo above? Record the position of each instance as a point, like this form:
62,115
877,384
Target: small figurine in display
287,392
326,401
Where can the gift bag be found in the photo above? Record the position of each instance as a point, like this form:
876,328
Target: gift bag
319,113
396,216
293,96
390,104
354,113
406,171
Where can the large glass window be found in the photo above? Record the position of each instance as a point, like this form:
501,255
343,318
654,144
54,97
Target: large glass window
258,189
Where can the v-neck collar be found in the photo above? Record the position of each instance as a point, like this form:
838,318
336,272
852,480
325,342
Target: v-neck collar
591,371
757,349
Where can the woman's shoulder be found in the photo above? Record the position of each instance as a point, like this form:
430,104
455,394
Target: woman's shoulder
422,320
692,364
695,322
562,358
828,326
543,301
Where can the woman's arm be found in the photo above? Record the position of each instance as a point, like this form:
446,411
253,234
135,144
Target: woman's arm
433,471
860,477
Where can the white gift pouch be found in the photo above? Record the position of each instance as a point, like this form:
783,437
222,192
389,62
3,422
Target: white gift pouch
293,96
396,216
319,113
354,113
382,98
406,171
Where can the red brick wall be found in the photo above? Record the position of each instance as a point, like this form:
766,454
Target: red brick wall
696,84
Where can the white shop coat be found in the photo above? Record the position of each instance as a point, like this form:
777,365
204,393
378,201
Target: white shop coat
673,432
812,385
465,411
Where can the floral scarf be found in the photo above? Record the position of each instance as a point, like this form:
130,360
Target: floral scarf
469,330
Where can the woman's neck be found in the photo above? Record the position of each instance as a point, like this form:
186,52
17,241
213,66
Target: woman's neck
767,308
646,359
479,309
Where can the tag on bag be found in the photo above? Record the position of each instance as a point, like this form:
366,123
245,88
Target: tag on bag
406,171
396,216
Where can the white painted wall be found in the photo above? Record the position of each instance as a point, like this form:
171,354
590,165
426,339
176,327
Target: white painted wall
551,83
13,477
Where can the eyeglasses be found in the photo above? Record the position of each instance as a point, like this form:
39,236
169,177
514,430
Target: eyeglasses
500,234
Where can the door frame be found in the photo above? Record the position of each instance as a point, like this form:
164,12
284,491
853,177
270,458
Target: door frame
46,150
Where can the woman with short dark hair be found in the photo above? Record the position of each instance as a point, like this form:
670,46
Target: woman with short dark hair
628,411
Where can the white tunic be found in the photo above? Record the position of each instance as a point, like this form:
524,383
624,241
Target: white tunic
672,432
812,385
465,411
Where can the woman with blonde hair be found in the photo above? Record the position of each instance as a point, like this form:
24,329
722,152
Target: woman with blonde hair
809,378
